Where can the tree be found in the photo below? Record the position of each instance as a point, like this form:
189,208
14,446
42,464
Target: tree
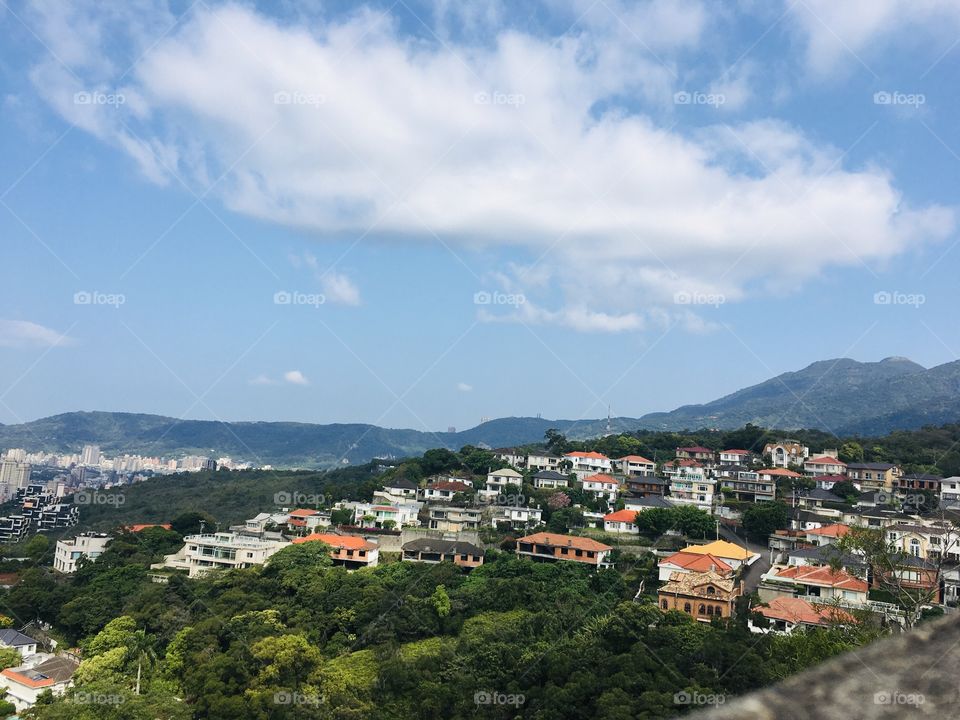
761,519
190,523
341,516
845,490
37,547
851,452
441,601
564,519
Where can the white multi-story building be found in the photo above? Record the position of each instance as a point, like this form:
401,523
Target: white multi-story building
637,466
518,517
220,551
543,461
68,552
90,455
498,480
691,486
950,491
603,487
588,463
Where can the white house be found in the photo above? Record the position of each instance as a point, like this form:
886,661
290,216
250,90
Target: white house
825,465
603,487
692,487
498,480
518,517
444,490
220,551
950,491
68,552
637,466
542,461
25,684
621,522
550,480
512,456
589,463
734,457
23,644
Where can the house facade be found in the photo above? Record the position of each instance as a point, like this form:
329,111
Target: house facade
748,486
874,476
430,550
552,547
786,453
703,596
602,487
220,551
68,552
350,551
637,466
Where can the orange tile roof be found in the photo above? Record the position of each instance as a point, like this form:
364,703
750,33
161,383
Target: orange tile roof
304,512
297,523
351,542
798,610
601,478
557,540
780,472
826,460
637,459
823,576
454,485
143,526
23,679
697,563
591,455
738,452
834,530
622,516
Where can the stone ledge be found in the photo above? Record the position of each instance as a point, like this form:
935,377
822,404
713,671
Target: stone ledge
911,675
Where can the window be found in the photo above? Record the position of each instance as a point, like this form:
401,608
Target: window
687,608
663,604
710,610
710,590
915,547
702,609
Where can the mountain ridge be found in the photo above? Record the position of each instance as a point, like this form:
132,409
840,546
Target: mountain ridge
842,396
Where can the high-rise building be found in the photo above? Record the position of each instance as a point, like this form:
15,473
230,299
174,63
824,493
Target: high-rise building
91,455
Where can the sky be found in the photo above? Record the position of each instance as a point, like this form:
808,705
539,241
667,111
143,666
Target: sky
422,214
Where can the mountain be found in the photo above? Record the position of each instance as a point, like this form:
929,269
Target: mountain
842,396
282,444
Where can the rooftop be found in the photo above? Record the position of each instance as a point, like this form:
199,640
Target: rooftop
722,549
696,562
696,584
350,542
798,610
557,540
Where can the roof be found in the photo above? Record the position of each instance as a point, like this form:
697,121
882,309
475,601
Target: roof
798,610
686,462
735,451
828,478
550,475
454,485
628,516
827,554
557,540
582,454
695,584
506,472
695,562
822,576
601,478
695,449
649,501
922,476
834,530
350,542
50,672
297,523
143,526
825,460
304,512
637,459
722,549
779,472
12,638
446,547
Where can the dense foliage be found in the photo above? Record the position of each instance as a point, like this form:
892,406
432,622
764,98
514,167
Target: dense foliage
302,639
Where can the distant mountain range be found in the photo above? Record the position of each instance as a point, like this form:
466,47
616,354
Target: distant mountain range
842,396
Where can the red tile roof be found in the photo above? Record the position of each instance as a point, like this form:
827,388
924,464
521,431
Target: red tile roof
556,540
601,478
834,530
736,452
304,512
823,576
695,449
798,610
637,459
24,679
825,460
780,472
697,563
628,516
143,526
591,455
351,542
454,485
297,523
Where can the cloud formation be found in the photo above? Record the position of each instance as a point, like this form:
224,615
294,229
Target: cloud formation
25,334
354,129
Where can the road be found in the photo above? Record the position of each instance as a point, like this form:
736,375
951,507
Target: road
751,577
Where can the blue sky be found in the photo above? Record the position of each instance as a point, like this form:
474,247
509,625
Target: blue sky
662,202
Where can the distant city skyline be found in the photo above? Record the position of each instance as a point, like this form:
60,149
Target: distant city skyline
419,215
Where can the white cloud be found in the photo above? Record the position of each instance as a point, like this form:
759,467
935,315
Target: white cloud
338,288
503,144
262,380
295,377
23,334
848,34
464,387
